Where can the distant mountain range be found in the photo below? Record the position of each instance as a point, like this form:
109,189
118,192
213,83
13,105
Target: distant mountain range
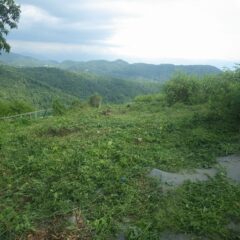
118,69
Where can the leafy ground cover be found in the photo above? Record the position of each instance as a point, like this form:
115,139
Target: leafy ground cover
94,165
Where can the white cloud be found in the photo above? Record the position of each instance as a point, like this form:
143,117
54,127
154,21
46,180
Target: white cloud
179,29
140,29
31,15
41,48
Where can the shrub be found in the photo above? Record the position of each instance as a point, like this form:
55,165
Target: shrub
95,100
4,108
181,88
58,108
220,93
17,107
226,104
14,107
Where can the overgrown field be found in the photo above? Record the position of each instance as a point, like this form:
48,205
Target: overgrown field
93,164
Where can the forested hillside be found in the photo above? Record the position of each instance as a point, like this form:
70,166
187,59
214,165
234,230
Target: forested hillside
40,86
17,86
82,85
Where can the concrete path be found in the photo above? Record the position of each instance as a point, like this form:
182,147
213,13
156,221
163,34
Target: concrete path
231,164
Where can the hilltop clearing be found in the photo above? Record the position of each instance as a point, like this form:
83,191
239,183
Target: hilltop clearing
85,174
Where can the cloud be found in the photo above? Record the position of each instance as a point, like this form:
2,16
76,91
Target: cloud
136,29
38,24
180,29
32,15
62,51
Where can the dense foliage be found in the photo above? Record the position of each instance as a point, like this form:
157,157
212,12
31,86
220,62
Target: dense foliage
221,93
16,85
9,17
14,107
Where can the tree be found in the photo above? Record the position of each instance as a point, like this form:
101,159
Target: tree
9,17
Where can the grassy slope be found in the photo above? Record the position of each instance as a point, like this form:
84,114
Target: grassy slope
98,163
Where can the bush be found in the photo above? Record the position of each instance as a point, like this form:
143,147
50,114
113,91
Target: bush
58,108
220,93
95,100
14,107
226,103
18,107
181,88
4,108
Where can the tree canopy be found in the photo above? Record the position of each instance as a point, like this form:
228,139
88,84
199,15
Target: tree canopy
9,17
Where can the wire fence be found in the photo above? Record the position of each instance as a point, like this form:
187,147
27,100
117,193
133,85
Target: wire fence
30,115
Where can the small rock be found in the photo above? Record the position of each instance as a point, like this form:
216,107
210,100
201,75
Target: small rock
234,226
232,165
176,179
72,220
123,179
121,236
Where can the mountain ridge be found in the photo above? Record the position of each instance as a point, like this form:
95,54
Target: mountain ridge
118,68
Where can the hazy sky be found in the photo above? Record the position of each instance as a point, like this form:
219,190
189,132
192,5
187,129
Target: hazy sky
135,30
